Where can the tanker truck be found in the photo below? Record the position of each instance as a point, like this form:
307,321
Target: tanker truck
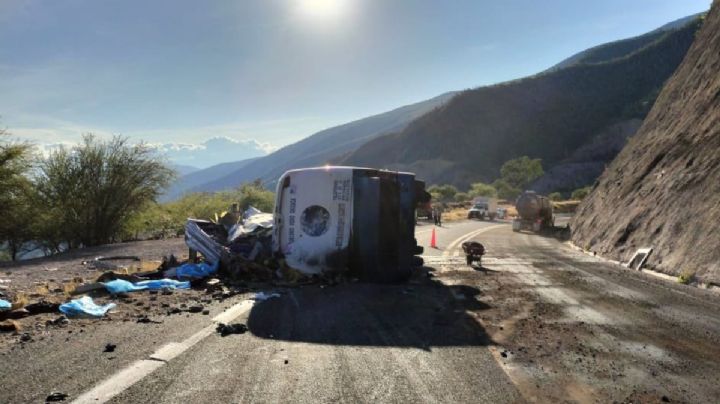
535,212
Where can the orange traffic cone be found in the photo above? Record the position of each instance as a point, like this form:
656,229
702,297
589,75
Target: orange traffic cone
432,239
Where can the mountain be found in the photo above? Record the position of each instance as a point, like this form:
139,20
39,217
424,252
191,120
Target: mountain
623,47
219,149
193,179
183,169
548,116
586,163
663,189
320,148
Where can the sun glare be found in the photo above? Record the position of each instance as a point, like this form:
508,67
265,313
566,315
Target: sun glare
323,9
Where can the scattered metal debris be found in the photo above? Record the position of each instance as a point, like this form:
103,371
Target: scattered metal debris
639,259
55,397
108,264
227,329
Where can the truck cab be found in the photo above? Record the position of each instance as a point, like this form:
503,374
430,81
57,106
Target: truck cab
483,208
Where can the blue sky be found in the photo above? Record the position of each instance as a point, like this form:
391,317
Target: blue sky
270,72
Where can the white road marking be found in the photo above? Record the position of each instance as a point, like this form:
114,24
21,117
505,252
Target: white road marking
169,351
120,381
233,312
132,374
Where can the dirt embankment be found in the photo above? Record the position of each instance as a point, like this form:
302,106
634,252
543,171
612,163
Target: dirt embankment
663,189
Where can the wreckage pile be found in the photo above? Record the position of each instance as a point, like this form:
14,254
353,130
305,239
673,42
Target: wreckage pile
235,248
241,247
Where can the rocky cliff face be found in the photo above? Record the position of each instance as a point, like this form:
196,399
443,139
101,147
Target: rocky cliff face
663,189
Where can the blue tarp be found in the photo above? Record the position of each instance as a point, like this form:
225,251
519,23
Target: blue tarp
164,284
195,271
5,305
84,307
123,286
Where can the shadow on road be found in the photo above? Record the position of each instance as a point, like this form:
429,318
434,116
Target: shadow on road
483,269
405,315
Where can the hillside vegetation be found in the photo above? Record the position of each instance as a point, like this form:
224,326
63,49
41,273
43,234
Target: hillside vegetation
547,116
663,189
623,47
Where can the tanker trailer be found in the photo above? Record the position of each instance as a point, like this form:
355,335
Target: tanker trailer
535,212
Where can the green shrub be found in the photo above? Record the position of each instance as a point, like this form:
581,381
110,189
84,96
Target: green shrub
520,172
580,193
555,196
462,197
482,189
505,190
91,191
162,220
686,276
444,192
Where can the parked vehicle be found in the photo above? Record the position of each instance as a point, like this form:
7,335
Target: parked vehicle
535,212
348,218
483,208
424,210
501,213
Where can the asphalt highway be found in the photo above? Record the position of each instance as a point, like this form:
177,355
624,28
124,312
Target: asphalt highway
538,321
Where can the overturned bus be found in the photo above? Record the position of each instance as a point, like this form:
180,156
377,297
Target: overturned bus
352,219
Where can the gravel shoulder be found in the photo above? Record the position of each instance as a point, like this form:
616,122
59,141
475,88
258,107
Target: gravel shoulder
572,327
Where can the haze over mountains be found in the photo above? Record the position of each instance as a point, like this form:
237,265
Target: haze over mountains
314,150
575,116
213,151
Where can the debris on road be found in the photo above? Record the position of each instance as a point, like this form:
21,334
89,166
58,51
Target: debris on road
122,286
41,306
58,322
227,329
193,271
55,397
473,252
5,305
239,244
196,309
14,314
85,307
109,263
110,347
147,320
87,287
207,238
10,326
